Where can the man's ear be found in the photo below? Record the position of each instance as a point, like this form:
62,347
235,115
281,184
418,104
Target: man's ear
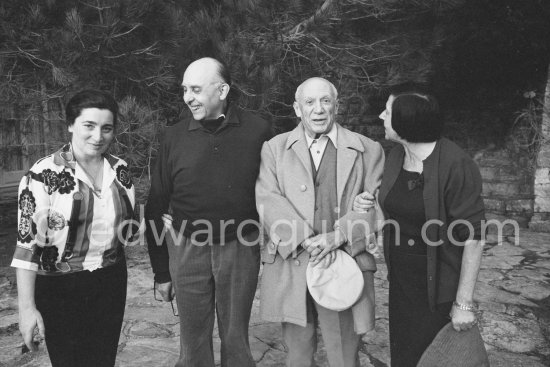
336,107
224,91
297,109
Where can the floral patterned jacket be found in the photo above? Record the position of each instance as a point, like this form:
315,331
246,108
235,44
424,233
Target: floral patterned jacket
64,225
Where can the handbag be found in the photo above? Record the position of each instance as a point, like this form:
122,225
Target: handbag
451,348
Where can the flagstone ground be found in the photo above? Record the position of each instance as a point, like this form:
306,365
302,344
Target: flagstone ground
513,292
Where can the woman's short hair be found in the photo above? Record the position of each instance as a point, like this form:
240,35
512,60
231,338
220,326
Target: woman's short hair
415,115
90,98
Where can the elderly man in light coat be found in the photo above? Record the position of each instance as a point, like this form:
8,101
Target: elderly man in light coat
308,180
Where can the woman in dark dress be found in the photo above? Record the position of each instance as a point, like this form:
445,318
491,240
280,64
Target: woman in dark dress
431,195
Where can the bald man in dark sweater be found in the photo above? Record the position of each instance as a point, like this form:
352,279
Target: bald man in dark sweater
208,254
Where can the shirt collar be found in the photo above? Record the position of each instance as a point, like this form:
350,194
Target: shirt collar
332,135
109,175
230,119
65,157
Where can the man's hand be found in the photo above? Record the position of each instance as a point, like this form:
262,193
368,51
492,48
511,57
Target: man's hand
167,220
322,245
363,202
461,319
29,319
166,291
326,261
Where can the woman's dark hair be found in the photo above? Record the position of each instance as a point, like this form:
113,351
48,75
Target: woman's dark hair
90,98
415,115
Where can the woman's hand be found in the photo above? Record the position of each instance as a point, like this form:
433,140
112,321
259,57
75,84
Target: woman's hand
29,319
461,319
363,202
29,316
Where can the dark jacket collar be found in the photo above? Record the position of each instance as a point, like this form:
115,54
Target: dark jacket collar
231,118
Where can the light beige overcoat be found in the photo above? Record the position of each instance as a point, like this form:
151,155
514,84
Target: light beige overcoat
285,198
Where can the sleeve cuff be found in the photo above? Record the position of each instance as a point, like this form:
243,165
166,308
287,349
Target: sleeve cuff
463,232
21,264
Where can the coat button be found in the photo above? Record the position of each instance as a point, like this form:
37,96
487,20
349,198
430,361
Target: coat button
303,188
297,262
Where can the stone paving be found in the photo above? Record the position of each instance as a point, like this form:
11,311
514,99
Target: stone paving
513,292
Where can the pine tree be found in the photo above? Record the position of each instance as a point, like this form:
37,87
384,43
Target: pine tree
51,49
138,49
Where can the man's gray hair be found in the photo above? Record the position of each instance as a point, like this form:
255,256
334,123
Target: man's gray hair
301,87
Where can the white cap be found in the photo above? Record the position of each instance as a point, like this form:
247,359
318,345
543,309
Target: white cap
338,286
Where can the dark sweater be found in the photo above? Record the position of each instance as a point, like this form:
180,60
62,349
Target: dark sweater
205,176
452,191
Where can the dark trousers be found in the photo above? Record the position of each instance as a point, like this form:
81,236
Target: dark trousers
83,314
219,278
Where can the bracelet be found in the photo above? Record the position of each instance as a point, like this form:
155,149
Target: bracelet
464,307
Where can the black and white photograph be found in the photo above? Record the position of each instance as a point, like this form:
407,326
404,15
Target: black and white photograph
274,183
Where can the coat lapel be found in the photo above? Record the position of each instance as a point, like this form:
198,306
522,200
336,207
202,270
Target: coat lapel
297,142
348,146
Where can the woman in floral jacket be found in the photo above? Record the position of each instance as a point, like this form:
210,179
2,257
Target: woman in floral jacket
73,209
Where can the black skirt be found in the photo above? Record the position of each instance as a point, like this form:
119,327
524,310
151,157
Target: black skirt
412,325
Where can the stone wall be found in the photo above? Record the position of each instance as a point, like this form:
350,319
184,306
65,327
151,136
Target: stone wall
507,185
541,218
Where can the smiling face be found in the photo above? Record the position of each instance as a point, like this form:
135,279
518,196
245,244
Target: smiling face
92,132
204,91
316,104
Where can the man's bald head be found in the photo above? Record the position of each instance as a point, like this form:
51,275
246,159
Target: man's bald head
212,66
205,88
314,80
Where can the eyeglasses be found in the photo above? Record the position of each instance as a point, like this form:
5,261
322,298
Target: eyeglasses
159,299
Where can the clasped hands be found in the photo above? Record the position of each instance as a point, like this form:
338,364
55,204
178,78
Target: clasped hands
321,247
